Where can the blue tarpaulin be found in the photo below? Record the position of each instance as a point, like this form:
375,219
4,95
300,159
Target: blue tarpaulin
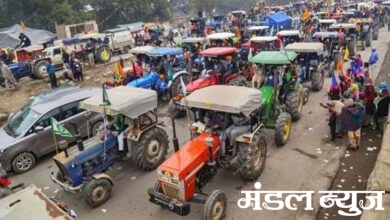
279,20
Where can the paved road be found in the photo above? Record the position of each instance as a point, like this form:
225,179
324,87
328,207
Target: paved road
307,162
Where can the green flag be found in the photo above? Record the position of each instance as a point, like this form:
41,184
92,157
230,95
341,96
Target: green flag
106,101
59,128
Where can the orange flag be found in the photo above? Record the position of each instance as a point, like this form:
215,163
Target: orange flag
23,25
339,66
120,70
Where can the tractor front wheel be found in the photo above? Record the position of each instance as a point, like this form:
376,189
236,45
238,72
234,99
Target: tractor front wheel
251,157
151,148
294,102
306,94
283,129
40,71
97,192
215,206
103,54
317,80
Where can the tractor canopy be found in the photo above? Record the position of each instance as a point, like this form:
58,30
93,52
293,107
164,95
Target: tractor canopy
218,51
141,49
327,21
326,34
194,40
129,101
165,51
360,20
263,39
220,36
225,98
274,57
288,33
258,28
337,26
305,47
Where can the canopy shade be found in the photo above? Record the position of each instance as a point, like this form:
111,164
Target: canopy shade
274,57
10,36
129,101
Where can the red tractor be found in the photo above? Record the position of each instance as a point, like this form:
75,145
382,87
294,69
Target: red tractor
221,67
182,176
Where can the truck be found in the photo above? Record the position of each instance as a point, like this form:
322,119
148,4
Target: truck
119,39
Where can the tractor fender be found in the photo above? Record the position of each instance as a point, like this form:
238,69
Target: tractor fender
33,62
176,75
135,134
241,138
103,176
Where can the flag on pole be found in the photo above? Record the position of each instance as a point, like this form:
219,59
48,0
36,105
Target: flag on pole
119,70
183,86
346,54
339,66
106,101
250,55
23,25
59,129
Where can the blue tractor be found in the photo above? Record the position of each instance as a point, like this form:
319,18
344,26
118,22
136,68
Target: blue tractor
81,169
162,77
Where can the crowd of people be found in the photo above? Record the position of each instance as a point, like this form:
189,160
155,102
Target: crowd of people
354,103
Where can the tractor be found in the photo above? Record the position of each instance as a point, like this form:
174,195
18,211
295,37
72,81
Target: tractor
311,58
166,82
183,175
283,105
213,74
323,24
194,45
334,49
289,36
350,35
81,168
223,39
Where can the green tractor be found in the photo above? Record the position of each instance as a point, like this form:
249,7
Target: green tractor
284,105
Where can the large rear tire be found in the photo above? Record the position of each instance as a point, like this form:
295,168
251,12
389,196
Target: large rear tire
40,71
294,102
97,192
215,206
251,157
103,54
283,129
317,80
151,148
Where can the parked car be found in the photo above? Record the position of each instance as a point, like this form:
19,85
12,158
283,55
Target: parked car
27,135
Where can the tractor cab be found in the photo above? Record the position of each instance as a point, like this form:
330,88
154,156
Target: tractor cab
323,24
265,43
194,45
289,36
255,31
350,33
221,66
283,95
81,168
311,65
224,39
166,66
333,48
182,177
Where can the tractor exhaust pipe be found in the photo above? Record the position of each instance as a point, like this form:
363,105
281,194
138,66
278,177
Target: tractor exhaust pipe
79,140
175,140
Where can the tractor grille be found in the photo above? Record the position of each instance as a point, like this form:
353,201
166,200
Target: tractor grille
171,191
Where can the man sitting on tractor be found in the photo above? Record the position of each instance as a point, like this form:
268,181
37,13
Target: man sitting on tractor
240,125
119,127
230,66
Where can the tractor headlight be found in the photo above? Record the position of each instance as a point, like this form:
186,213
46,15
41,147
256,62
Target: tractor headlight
209,142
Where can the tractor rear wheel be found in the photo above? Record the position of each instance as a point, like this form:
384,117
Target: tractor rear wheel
103,54
215,206
176,111
40,71
97,191
251,157
5,191
283,129
238,81
317,80
306,94
294,102
151,148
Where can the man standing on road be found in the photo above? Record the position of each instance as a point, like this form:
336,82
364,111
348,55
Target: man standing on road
373,62
52,73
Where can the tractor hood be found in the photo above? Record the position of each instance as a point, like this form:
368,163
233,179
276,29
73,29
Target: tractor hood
197,84
267,92
190,158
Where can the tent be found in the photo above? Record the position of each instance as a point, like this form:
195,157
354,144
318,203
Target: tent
279,20
9,36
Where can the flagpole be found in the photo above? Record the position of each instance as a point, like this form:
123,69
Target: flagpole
55,142
105,125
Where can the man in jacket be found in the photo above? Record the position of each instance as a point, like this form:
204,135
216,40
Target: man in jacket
373,61
52,73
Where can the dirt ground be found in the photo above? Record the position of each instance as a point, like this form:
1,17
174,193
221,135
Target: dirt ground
13,99
356,166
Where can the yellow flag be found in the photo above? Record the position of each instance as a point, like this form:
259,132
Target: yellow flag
305,15
23,25
346,54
